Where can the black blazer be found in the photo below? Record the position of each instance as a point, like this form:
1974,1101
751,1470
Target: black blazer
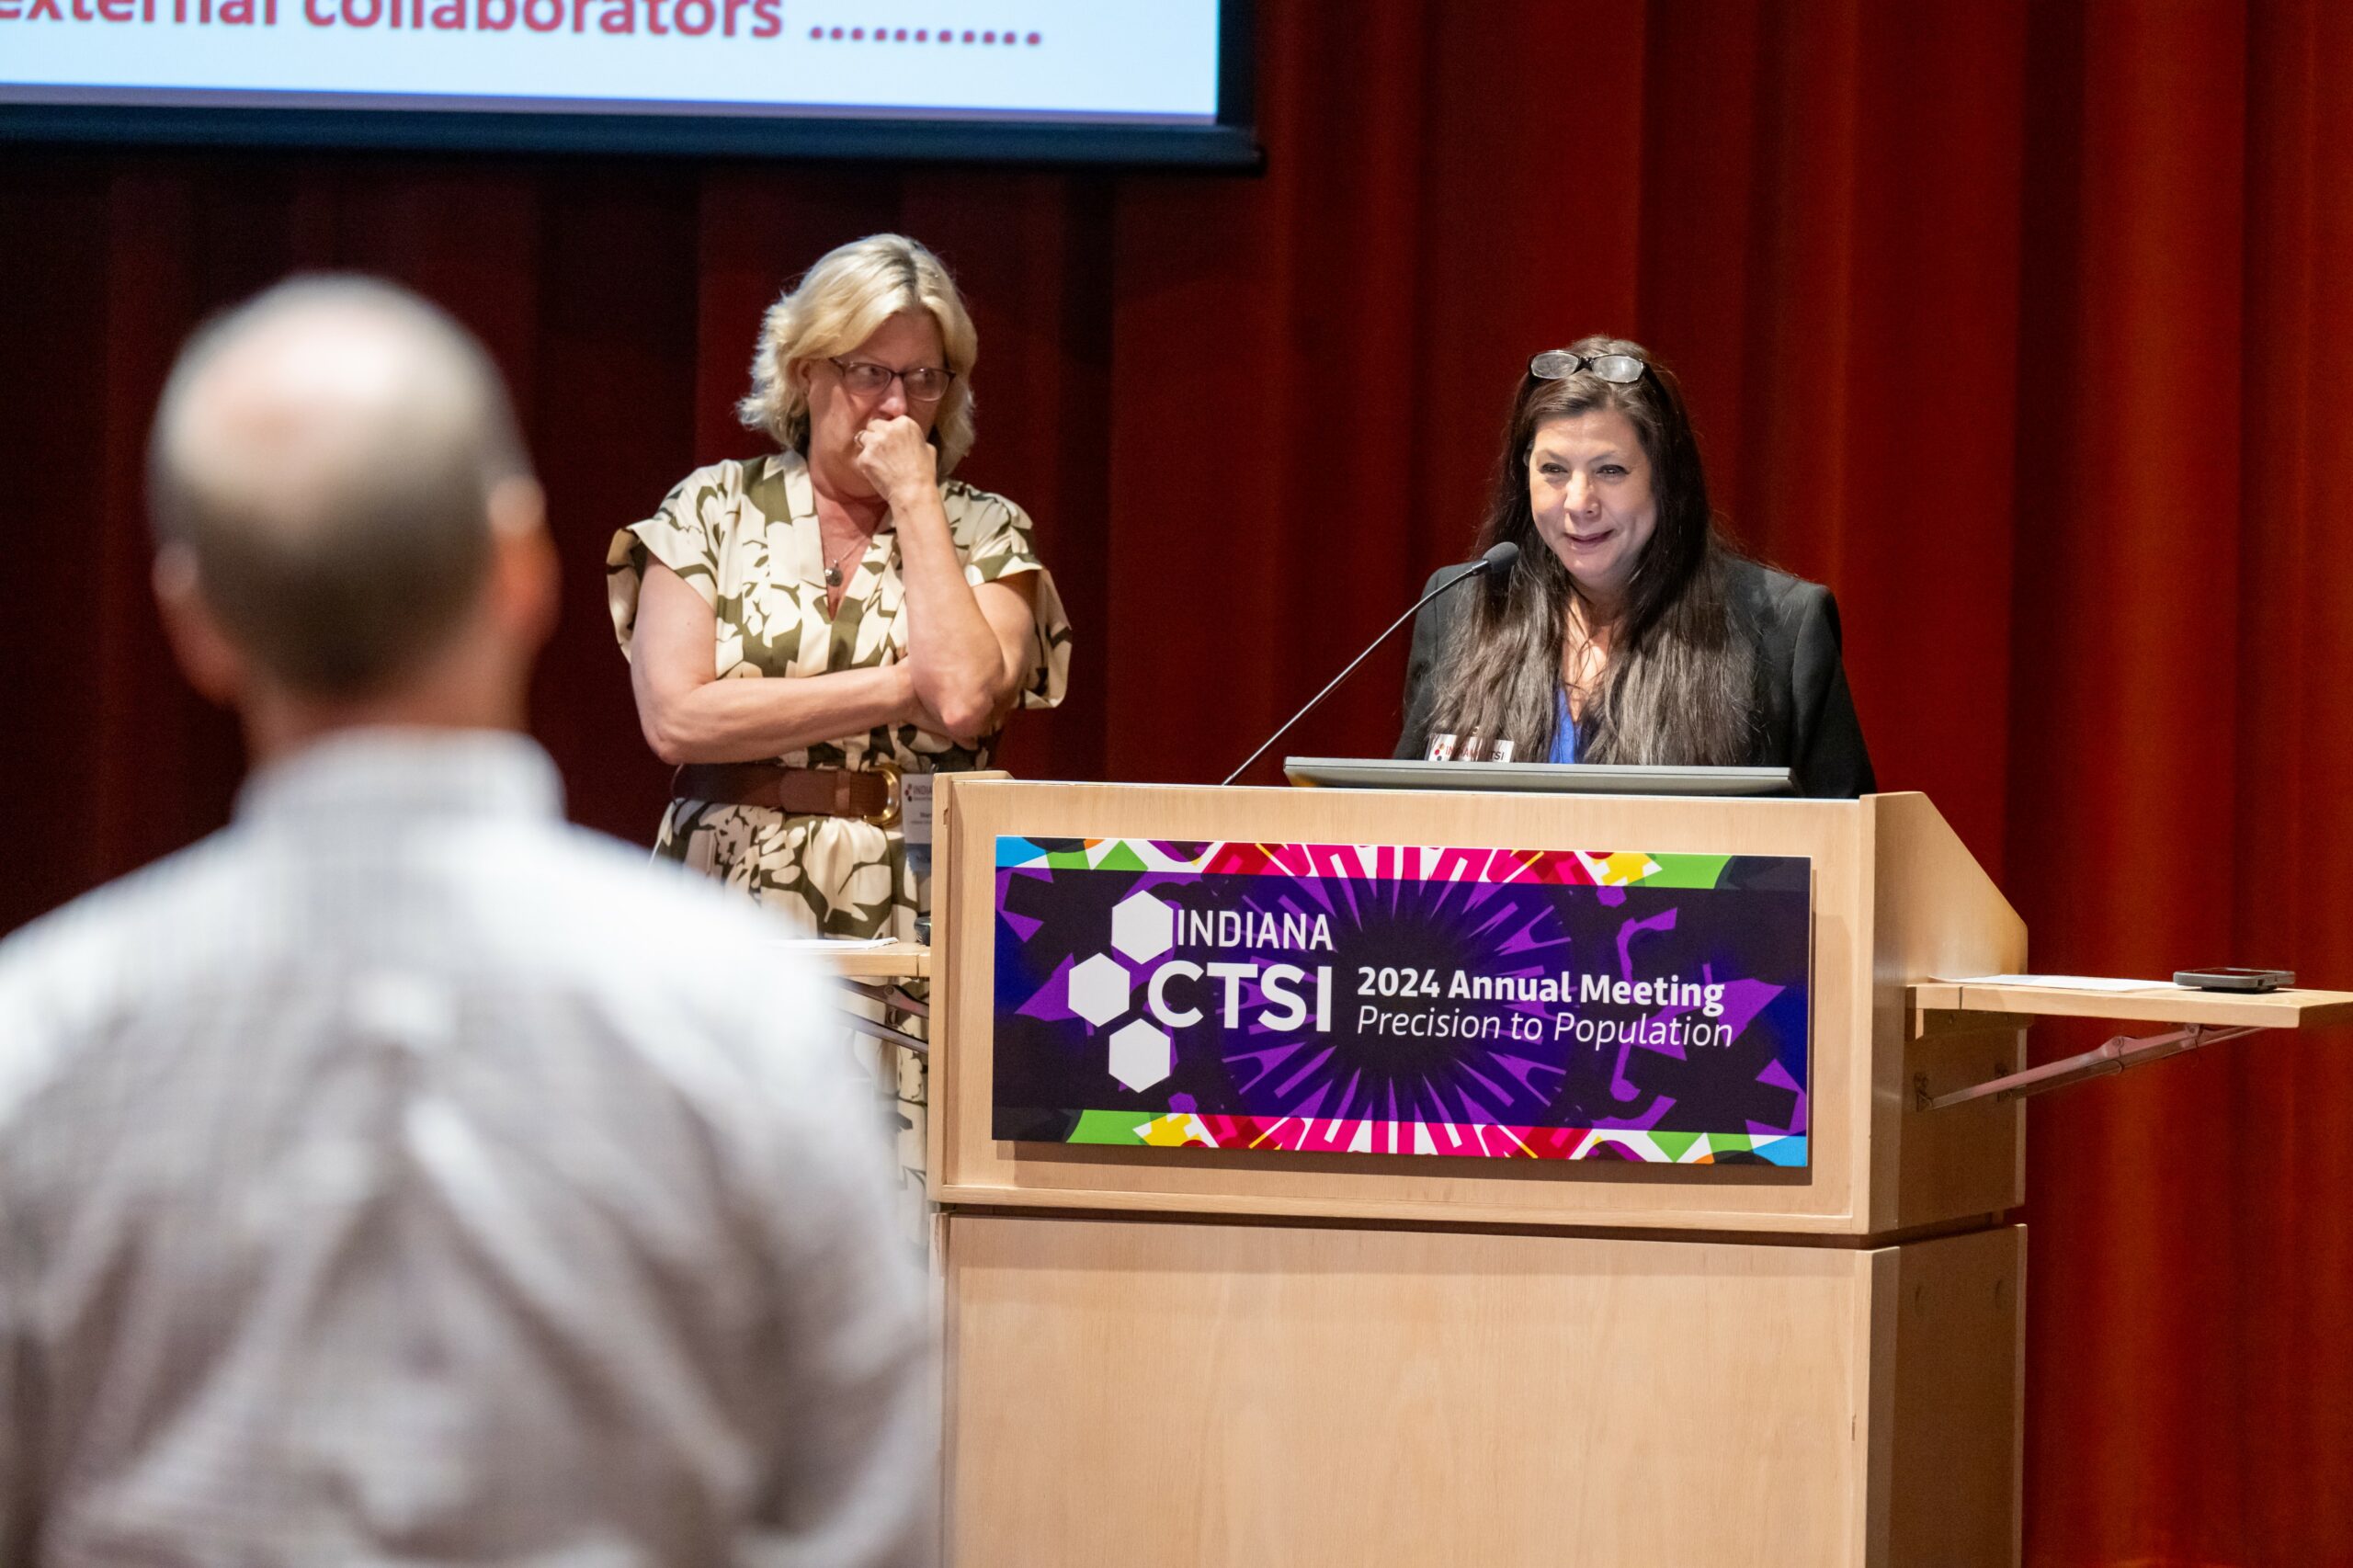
1808,718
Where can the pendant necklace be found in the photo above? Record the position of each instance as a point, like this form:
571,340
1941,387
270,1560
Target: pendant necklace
833,567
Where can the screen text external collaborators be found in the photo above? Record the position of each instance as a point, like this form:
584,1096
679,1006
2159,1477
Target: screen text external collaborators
661,18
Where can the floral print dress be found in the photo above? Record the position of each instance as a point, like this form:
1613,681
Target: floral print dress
745,536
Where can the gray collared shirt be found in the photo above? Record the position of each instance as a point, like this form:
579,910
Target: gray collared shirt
401,1176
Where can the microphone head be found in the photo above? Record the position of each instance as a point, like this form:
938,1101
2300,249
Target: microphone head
1501,559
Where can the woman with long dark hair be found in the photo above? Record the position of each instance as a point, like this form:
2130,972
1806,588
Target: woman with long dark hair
1630,632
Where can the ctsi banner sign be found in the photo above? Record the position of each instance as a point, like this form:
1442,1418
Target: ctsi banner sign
1394,999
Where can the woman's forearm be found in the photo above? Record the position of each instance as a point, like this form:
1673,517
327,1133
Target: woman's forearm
688,715
954,656
754,720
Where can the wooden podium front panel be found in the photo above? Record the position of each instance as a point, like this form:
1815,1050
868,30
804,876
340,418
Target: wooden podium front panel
1189,1393
1858,1019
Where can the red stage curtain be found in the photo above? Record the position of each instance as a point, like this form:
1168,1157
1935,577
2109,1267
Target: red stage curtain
2023,326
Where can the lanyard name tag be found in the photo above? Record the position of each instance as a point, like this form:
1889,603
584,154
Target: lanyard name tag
914,808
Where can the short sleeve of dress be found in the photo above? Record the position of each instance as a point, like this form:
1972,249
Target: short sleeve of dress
684,534
993,537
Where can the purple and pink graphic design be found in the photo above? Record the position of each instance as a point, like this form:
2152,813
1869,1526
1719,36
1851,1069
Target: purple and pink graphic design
1403,1000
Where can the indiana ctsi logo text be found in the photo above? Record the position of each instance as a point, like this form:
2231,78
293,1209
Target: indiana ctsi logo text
1179,993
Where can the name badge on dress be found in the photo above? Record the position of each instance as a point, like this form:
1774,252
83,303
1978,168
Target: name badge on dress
914,808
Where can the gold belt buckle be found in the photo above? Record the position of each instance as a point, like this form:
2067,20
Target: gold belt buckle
889,815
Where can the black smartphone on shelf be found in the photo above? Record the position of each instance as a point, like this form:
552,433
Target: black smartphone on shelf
2235,979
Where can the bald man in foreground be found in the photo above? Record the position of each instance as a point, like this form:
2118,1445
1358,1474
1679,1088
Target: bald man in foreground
401,1176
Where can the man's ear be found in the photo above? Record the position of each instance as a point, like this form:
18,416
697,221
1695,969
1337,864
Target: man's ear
525,584
213,664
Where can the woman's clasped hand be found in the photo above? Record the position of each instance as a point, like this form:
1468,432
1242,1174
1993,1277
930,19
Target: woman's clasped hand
896,458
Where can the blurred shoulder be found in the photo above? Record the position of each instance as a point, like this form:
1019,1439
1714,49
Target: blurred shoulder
602,899
701,983
54,951
69,974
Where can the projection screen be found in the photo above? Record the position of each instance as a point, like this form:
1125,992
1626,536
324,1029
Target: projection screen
1140,81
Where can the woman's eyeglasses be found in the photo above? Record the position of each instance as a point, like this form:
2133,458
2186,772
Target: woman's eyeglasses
925,383
1559,365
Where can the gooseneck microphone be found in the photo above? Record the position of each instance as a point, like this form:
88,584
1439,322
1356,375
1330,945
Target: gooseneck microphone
1499,559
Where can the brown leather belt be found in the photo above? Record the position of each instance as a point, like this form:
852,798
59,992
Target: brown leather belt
870,794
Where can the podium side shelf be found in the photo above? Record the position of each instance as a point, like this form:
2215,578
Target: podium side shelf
2199,1018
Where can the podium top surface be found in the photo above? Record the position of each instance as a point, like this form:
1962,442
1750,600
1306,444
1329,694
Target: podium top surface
890,961
2286,1009
1542,778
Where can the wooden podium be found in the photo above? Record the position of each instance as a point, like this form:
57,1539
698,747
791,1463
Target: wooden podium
1192,1356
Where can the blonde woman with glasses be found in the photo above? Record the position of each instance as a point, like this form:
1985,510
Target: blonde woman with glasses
811,634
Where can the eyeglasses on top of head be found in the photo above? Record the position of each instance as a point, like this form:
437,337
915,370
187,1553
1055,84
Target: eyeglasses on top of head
925,383
1560,364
